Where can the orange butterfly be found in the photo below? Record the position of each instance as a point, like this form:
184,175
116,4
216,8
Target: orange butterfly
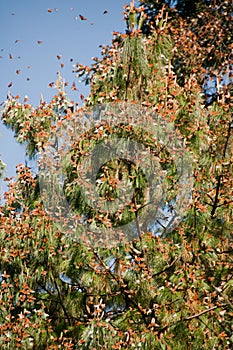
82,18
73,87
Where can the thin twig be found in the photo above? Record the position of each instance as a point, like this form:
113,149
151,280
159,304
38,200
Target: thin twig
203,312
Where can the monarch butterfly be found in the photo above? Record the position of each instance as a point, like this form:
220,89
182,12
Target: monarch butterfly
73,87
82,18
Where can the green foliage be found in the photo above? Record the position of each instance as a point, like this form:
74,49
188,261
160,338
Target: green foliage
2,167
114,172
172,291
130,70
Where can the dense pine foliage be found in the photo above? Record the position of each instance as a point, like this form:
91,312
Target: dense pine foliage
168,291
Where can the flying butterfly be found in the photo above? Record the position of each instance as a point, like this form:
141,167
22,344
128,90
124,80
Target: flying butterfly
73,87
82,18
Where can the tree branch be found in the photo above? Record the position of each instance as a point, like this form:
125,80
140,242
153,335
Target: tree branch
61,303
203,312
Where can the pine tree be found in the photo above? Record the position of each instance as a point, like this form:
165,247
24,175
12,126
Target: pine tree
170,291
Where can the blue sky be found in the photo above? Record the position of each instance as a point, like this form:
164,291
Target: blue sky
57,26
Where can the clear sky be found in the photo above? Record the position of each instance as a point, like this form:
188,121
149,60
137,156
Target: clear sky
33,34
